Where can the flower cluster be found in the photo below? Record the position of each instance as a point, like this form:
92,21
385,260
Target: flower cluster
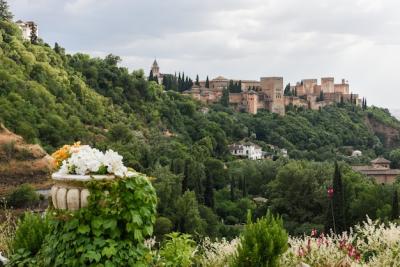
63,153
217,253
83,159
369,244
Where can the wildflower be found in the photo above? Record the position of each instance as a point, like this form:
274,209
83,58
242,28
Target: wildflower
330,192
314,232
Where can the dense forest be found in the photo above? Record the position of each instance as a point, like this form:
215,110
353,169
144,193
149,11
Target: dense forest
53,98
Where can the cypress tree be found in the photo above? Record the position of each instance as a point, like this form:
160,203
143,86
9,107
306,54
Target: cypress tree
185,180
197,80
395,206
232,188
34,36
209,192
207,83
338,201
5,13
225,97
151,77
244,186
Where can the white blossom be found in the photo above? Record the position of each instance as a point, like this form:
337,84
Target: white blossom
87,160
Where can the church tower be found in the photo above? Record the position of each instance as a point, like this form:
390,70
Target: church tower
155,69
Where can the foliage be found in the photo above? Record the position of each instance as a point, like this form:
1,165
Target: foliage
24,196
110,231
7,231
262,242
395,206
5,13
162,227
177,250
30,233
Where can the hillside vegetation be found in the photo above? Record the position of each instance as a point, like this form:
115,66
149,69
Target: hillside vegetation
52,98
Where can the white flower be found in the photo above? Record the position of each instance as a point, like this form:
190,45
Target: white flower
114,164
86,160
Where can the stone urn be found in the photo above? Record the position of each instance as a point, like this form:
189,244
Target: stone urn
69,191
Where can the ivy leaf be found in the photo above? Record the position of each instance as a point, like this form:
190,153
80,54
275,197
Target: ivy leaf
109,251
83,229
110,224
138,235
92,255
148,230
136,218
109,264
96,223
130,184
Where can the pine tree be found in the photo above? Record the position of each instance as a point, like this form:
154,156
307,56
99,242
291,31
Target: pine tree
207,83
395,206
197,80
5,13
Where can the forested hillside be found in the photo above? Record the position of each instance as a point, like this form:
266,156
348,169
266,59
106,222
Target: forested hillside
52,98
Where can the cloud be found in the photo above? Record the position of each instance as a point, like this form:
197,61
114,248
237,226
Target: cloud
245,39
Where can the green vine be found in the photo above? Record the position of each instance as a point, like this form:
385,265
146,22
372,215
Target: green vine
109,232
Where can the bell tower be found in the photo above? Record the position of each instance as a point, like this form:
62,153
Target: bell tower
155,69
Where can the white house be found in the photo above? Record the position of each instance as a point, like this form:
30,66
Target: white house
27,27
249,150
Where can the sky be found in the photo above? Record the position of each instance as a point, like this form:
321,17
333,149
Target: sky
357,40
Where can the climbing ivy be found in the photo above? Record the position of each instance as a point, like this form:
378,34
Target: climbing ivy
109,232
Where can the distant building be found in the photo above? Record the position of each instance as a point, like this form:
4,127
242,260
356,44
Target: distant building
356,153
248,149
28,28
268,93
380,170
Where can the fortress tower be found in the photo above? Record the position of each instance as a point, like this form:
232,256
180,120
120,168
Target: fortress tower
272,87
328,85
252,102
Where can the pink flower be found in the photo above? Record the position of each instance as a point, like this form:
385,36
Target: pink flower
314,232
301,252
330,192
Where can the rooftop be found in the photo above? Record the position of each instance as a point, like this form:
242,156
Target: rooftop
380,160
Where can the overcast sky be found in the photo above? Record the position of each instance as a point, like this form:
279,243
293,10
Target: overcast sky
245,39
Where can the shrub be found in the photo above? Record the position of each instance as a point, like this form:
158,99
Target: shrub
262,242
23,196
163,226
31,232
178,250
8,149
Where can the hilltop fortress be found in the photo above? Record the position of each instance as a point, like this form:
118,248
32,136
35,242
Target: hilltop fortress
269,93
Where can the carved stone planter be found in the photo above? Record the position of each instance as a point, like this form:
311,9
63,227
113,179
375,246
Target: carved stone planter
69,192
